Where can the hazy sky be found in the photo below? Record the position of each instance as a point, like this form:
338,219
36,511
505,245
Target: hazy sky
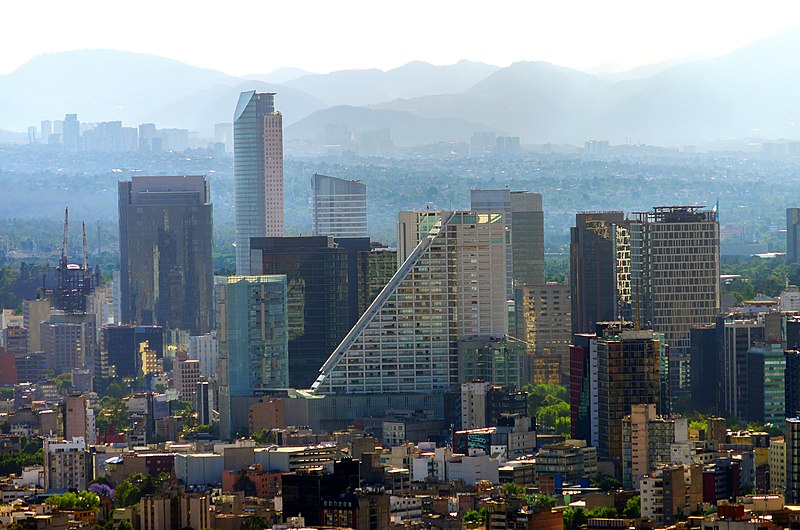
240,37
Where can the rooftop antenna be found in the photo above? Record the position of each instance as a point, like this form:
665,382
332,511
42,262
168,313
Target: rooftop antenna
66,236
85,251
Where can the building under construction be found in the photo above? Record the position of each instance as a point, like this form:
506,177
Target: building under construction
75,281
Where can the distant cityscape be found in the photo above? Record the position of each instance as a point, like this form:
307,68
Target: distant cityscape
457,373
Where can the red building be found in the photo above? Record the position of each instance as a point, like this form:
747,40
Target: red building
8,368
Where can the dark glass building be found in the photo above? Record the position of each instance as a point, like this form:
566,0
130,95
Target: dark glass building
120,346
594,273
322,277
166,270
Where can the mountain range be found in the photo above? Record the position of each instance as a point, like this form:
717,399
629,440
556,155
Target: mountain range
750,92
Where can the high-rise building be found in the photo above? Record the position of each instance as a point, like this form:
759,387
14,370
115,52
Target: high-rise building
543,322
258,172
204,348
120,347
675,260
68,341
650,440
75,417
166,270
34,312
792,235
766,384
525,220
71,132
495,360
792,440
375,269
339,207
451,286
46,130
739,334
186,373
66,465
322,276
610,373
253,334
599,270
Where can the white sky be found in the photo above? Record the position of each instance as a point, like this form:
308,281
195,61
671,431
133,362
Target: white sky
241,37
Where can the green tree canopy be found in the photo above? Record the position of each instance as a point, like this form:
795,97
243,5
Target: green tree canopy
83,500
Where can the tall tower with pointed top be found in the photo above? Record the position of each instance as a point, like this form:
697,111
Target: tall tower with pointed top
257,172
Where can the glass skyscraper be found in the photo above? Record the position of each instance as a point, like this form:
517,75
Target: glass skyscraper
258,172
339,207
166,270
252,329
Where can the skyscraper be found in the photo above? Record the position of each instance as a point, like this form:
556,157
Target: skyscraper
792,235
71,132
599,269
166,271
258,172
339,207
525,220
451,287
322,277
252,322
674,253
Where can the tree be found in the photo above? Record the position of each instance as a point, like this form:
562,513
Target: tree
83,500
475,516
132,489
603,512
574,518
509,489
124,525
245,484
64,382
633,508
606,483
540,500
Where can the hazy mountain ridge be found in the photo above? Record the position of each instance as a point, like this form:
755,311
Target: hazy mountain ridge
748,92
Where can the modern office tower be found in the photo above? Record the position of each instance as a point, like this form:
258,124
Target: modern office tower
186,373
34,312
544,317
650,440
495,360
66,465
71,132
165,236
339,207
147,133
739,334
375,269
257,172
204,348
675,259
451,286
68,341
792,440
766,384
627,371
322,277
120,347
253,334
792,235
599,270
525,221
706,362
32,367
